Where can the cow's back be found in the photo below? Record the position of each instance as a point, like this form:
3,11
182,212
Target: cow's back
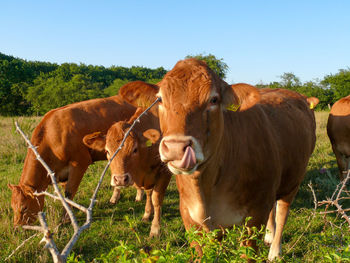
61,130
338,126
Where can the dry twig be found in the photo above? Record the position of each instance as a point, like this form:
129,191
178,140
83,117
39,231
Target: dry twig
335,199
49,242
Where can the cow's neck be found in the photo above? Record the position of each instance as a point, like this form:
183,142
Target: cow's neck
34,174
196,190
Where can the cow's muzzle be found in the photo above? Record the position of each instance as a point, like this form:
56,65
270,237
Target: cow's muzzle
181,153
121,180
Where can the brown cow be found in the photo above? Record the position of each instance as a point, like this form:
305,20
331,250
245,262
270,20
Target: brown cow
138,161
59,140
138,94
235,150
338,130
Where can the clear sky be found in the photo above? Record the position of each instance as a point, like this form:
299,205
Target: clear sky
259,40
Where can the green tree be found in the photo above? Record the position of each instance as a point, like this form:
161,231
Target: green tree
113,89
217,65
290,81
339,83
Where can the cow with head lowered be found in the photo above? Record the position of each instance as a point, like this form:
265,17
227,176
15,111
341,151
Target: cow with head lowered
59,141
236,151
338,130
137,163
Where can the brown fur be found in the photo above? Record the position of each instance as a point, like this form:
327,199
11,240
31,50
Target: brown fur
140,159
338,130
252,157
59,138
139,93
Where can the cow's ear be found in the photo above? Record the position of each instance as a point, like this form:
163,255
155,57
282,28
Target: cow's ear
312,101
230,100
152,135
95,141
28,190
12,186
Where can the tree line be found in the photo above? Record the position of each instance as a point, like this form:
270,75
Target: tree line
33,87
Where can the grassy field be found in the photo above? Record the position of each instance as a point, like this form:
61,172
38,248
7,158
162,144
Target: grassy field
308,236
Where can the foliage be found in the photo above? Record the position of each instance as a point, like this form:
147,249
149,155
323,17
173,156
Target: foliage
339,83
217,65
308,237
229,249
36,87
310,89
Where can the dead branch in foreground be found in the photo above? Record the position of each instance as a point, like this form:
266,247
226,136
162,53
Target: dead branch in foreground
335,199
47,238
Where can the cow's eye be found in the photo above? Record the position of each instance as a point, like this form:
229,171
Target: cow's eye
214,100
134,151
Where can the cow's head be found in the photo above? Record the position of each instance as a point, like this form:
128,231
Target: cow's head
25,204
136,157
191,114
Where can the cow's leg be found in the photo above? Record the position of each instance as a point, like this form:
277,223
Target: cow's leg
157,201
148,207
115,196
139,194
76,173
343,163
271,226
282,212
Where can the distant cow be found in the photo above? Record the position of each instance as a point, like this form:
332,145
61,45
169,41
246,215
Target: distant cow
59,138
235,150
138,161
338,130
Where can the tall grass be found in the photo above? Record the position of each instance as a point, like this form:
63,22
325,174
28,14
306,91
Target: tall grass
308,237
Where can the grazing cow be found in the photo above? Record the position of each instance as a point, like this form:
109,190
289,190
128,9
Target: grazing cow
138,161
235,150
59,138
338,130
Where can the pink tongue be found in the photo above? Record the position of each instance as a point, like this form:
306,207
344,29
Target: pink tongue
188,160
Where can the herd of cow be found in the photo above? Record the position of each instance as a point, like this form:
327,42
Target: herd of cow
236,151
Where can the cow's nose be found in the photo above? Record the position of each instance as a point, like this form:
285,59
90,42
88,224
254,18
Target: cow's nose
121,180
174,149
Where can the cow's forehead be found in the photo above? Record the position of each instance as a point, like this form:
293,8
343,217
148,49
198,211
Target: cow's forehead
116,134
194,91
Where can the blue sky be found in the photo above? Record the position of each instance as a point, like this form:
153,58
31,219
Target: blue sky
259,40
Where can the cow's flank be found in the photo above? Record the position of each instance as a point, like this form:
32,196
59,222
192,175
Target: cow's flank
338,130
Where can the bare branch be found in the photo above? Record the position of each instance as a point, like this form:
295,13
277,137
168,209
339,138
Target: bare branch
72,203
310,219
334,200
53,178
21,245
119,148
49,243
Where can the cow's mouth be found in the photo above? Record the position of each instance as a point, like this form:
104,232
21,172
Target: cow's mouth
188,164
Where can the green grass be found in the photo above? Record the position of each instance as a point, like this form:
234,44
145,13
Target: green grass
308,237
